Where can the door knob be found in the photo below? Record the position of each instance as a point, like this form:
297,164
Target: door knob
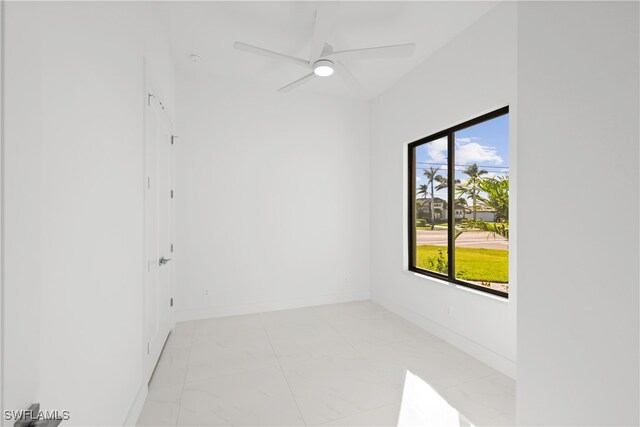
164,260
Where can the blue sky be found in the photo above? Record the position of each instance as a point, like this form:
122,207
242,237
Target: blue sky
486,144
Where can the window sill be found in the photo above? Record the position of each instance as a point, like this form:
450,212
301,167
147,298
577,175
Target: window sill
460,287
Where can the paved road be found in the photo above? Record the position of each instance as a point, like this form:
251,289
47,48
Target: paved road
468,239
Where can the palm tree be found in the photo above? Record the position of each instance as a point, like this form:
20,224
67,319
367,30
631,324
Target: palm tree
471,188
443,182
423,190
431,175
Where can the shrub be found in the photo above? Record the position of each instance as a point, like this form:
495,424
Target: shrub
439,263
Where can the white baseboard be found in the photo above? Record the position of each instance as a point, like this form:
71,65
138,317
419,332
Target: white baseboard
483,354
136,408
234,310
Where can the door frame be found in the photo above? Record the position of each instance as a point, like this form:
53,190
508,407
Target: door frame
150,86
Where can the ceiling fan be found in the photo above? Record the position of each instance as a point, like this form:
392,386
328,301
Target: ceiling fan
323,60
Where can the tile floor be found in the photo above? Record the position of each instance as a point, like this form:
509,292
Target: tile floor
341,364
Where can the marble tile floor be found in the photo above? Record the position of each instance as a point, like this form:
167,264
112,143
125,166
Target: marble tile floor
333,365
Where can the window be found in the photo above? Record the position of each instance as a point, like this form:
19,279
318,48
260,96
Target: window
459,204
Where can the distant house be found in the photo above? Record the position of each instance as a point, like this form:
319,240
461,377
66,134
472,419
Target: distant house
440,208
484,213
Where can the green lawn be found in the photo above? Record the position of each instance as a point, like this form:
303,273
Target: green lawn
474,264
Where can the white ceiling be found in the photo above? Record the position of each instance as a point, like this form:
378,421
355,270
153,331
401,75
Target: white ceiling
209,29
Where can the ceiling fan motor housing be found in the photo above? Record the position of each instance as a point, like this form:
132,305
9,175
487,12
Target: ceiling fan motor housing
323,67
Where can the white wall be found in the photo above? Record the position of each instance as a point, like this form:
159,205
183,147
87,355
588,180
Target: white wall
578,275
272,198
471,75
22,153
1,192
73,204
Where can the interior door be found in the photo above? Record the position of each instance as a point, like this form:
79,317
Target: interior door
158,309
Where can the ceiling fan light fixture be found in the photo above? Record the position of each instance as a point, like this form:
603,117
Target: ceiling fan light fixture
323,68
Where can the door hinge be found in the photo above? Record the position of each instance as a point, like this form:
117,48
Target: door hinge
172,247
148,182
171,302
173,137
149,95
148,348
172,194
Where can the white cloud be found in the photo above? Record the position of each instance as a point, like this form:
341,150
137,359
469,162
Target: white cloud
418,178
473,152
437,150
468,151
466,139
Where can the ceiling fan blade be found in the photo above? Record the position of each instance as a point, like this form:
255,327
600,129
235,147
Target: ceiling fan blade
297,83
349,78
270,54
395,51
325,15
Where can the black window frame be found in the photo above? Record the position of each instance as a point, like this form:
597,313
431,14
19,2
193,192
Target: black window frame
450,135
